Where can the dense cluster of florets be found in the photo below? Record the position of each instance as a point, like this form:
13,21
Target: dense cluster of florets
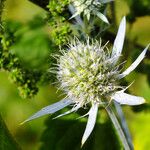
86,73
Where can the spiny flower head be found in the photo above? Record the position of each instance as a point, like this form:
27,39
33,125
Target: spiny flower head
88,73
88,7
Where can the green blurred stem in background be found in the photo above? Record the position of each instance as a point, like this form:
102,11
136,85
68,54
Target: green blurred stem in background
7,142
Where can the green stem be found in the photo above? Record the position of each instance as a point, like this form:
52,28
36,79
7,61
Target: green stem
117,127
123,123
113,14
7,142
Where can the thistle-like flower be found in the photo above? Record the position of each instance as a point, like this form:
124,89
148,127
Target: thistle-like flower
89,75
88,7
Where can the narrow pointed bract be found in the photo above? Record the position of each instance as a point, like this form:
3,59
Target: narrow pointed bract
105,1
119,41
134,64
102,16
68,112
50,109
127,99
91,123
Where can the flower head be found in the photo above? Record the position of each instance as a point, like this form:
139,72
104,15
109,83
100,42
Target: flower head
88,7
86,72
89,75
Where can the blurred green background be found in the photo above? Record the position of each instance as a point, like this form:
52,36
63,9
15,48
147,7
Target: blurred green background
33,49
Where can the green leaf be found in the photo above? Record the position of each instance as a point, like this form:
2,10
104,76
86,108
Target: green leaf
32,44
6,140
66,133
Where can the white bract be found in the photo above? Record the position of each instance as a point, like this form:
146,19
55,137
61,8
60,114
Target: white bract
89,75
88,7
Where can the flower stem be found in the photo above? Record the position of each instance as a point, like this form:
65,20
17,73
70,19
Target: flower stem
123,124
77,18
117,127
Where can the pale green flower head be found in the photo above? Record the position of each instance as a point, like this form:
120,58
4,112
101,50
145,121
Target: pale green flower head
89,7
86,72
89,75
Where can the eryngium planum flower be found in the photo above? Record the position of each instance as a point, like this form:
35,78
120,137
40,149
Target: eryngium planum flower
90,7
89,75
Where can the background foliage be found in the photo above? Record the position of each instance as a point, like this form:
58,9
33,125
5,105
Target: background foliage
29,35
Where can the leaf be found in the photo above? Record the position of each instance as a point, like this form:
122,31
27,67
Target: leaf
65,133
6,140
32,45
